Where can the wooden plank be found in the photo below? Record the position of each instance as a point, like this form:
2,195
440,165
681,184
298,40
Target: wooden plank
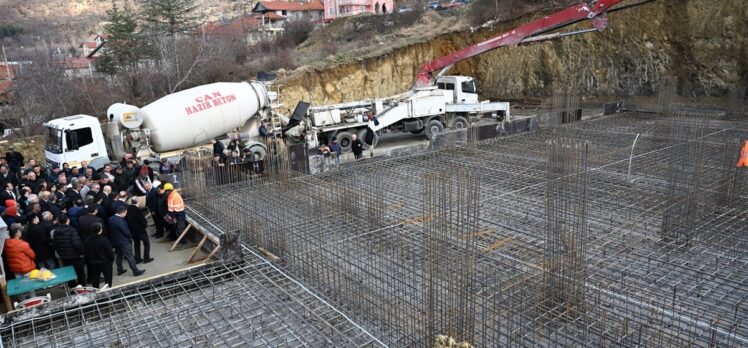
179,239
497,244
199,246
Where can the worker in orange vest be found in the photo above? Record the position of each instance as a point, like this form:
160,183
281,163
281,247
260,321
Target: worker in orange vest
743,162
175,205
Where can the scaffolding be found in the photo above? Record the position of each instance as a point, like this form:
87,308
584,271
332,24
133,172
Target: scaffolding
557,237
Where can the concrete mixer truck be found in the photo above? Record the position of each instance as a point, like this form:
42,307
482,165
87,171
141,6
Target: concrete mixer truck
163,128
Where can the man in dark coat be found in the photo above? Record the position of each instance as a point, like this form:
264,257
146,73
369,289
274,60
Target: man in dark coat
138,224
119,235
218,147
151,201
41,243
14,159
75,212
69,246
8,176
357,147
86,222
121,201
99,256
30,182
73,193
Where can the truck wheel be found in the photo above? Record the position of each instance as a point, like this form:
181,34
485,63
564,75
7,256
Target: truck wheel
259,151
366,140
344,140
460,122
433,127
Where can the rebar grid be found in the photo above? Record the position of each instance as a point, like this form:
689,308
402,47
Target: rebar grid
238,304
366,239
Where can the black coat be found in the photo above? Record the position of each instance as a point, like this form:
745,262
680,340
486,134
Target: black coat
67,242
99,250
10,177
151,201
357,146
137,222
14,159
31,184
120,182
40,242
218,149
163,206
72,195
119,232
85,225
6,196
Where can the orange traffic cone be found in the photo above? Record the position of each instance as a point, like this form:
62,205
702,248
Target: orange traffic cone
743,162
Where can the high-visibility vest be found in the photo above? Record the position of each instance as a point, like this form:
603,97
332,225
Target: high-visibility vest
175,202
743,161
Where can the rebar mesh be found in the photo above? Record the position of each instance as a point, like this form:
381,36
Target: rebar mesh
382,239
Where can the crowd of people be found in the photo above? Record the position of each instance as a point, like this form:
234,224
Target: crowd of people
81,217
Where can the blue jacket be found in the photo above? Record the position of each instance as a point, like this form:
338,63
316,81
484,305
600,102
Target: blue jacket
74,213
119,232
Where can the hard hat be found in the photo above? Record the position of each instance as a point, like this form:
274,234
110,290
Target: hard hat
168,186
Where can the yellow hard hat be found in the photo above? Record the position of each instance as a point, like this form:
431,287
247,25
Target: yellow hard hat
168,186
34,274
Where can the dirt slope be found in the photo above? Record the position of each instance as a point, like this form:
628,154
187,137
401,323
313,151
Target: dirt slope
702,42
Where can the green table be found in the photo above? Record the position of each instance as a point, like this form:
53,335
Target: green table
23,285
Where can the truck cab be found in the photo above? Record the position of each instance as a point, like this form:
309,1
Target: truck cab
462,87
74,139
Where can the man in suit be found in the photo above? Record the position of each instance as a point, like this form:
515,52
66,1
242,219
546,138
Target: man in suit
8,176
138,224
73,194
9,193
119,234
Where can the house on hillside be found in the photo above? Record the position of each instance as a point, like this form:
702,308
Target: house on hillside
91,48
312,10
252,28
9,71
342,8
79,67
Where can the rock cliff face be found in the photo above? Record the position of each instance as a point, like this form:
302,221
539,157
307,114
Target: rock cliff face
701,42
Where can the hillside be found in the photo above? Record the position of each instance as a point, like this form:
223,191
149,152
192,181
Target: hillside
701,42
66,21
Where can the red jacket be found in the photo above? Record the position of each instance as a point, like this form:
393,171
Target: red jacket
20,256
11,208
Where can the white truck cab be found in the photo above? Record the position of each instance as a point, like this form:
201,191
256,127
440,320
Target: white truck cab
463,88
74,139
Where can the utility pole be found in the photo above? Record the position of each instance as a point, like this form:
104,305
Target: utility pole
7,66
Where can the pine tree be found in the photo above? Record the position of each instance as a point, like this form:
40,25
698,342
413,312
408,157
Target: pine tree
170,16
166,22
125,46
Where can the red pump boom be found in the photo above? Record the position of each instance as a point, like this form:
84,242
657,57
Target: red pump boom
595,11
